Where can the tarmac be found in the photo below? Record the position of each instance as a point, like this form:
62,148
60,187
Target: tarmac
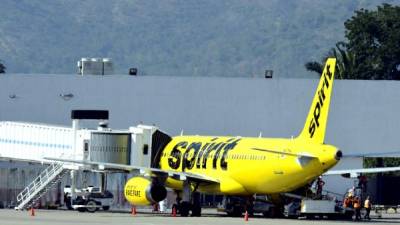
210,217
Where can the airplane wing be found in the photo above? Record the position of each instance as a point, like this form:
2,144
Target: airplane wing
374,154
142,170
356,172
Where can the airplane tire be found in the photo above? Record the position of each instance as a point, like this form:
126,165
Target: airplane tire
196,210
184,209
196,205
106,208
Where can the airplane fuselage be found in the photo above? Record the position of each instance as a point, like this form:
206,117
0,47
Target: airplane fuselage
247,165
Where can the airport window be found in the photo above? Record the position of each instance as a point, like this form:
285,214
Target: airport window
145,149
86,145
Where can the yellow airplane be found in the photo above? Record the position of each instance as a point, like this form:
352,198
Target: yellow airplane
245,165
239,165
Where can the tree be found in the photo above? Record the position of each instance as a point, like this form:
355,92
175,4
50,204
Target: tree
345,62
2,67
372,51
387,162
374,37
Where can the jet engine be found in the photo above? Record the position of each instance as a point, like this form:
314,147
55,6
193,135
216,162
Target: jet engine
142,191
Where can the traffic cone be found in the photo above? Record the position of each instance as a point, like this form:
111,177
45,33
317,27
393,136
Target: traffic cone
173,211
32,211
246,216
133,211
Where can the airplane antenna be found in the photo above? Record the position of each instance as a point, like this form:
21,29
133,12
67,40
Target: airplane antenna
182,132
260,135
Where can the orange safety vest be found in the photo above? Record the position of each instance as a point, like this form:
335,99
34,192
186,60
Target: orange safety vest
346,202
356,204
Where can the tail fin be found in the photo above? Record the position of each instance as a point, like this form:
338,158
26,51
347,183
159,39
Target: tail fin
314,129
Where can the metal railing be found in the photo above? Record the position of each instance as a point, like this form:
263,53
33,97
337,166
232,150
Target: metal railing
39,184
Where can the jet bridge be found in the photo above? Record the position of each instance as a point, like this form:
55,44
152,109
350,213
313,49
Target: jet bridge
33,142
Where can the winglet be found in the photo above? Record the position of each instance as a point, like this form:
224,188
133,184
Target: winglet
315,126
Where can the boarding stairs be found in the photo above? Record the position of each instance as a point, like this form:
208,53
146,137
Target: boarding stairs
40,185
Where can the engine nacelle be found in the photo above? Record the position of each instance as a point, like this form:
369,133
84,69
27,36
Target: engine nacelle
141,191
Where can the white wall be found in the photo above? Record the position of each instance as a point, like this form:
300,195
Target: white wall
363,118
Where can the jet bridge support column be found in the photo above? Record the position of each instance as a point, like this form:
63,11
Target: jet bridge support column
103,182
73,185
75,127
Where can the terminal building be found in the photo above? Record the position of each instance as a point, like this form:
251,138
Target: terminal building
363,116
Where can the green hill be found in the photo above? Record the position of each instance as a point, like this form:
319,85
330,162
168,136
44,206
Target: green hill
184,38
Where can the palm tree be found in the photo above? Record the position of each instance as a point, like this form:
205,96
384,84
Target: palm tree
345,62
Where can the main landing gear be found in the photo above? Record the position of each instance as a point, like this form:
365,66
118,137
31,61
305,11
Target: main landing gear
190,201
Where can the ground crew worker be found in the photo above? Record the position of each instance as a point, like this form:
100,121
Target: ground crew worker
351,191
347,202
362,183
357,208
320,184
367,206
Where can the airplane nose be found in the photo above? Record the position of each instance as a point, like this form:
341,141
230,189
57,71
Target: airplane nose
338,155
